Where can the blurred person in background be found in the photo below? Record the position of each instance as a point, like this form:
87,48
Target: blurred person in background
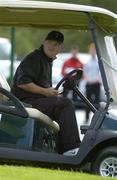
92,78
70,64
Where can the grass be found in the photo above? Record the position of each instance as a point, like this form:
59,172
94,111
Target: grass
34,173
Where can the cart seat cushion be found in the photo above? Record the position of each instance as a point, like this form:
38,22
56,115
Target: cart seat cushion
36,114
5,85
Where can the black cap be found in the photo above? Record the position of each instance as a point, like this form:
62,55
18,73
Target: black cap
55,36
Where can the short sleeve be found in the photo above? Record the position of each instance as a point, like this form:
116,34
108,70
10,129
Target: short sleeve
28,71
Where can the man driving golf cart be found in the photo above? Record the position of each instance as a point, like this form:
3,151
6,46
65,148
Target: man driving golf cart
33,85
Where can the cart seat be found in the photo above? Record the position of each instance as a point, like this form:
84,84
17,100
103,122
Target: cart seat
5,85
36,114
32,112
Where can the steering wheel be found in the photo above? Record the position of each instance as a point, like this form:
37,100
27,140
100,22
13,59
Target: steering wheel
71,79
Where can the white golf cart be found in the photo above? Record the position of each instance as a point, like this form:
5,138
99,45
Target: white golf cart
28,135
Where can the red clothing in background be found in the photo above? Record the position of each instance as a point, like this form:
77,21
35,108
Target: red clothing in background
72,64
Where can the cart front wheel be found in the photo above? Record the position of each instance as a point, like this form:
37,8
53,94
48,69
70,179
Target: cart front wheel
106,163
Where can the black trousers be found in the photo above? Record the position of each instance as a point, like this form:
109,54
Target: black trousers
93,94
62,110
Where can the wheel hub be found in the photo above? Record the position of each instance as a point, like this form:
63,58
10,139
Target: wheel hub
111,170
108,167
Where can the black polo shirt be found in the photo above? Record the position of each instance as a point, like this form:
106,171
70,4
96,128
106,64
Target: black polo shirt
37,68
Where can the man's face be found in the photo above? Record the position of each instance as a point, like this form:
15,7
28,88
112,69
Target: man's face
51,48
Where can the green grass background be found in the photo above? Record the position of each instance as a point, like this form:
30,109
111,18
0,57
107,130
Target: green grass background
36,173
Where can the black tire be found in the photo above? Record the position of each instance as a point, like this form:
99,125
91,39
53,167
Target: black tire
105,164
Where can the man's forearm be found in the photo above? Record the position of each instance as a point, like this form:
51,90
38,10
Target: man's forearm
33,88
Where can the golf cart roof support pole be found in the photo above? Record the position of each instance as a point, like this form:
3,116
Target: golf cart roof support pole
102,71
12,52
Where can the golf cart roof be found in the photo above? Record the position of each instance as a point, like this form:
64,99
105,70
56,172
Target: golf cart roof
53,15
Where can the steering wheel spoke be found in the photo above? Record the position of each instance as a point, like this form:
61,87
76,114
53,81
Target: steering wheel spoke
70,80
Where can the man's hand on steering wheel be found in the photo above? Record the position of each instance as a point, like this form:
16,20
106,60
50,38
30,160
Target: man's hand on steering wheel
71,79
